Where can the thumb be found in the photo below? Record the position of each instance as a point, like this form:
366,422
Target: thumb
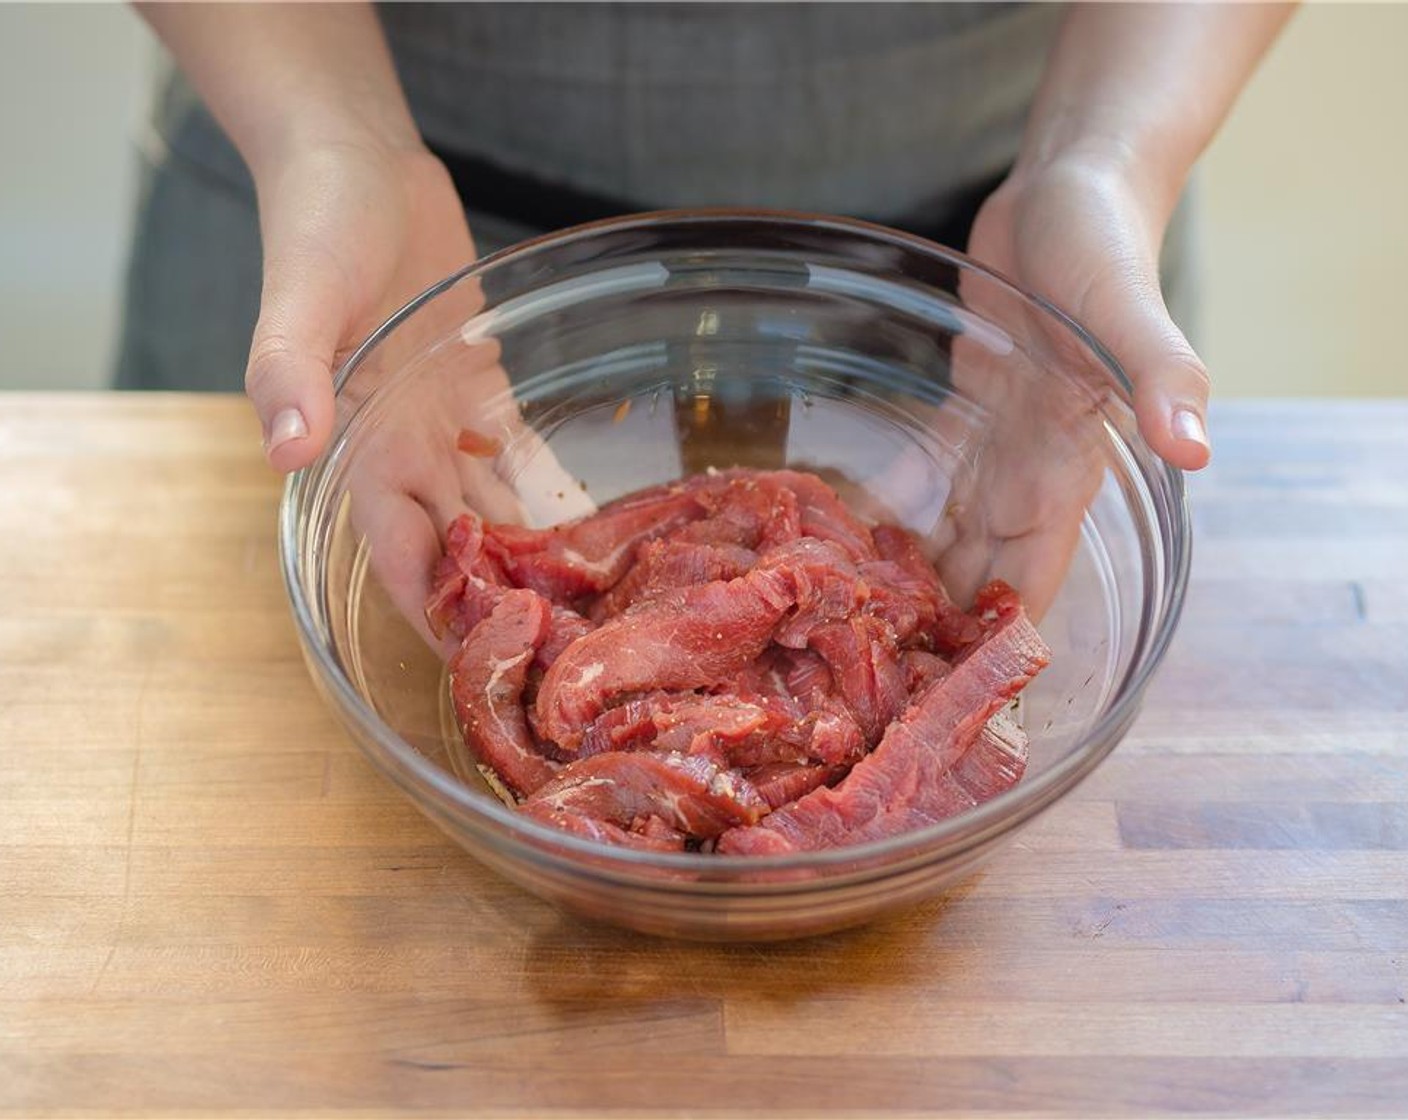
302,318
1125,309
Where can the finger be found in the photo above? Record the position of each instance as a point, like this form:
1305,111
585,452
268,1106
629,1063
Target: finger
421,464
404,546
1034,560
483,492
1037,563
302,319
1171,383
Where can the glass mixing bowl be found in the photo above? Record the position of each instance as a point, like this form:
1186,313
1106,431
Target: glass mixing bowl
614,356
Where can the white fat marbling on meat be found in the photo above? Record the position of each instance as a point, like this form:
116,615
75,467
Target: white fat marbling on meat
590,673
562,800
498,667
597,567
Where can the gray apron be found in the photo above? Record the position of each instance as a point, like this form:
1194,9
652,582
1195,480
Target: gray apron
894,112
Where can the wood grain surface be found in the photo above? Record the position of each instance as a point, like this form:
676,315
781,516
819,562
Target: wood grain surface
210,905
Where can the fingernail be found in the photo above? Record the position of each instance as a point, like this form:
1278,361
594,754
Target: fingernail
1188,426
288,424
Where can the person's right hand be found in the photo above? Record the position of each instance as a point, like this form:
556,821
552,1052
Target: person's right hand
357,218
351,231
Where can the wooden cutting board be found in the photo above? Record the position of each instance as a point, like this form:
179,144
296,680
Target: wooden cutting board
209,904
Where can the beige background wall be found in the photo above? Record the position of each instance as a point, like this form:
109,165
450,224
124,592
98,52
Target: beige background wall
72,92
1304,238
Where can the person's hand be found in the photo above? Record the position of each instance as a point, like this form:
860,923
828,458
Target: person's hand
357,218
1032,440
446,438
1085,234
351,231
1023,440
1131,96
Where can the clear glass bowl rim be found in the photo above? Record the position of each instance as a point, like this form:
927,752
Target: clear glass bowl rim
949,838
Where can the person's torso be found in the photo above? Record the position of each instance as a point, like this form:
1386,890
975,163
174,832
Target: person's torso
880,110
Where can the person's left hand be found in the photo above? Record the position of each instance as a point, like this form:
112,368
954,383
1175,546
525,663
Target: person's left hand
1085,233
1086,236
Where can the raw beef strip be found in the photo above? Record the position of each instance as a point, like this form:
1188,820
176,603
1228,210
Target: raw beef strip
444,611
765,681
656,830
809,678
728,728
993,604
864,664
691,639
564,628
800,683
683,722
824,515
687,792
782,782
993,764
824,582
730,731
486,684
890,596
950,629
836,737
627,727
655,835
996,762
921,670
666,565
466,584
896,782
829,737
749,510
756,640
586,556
